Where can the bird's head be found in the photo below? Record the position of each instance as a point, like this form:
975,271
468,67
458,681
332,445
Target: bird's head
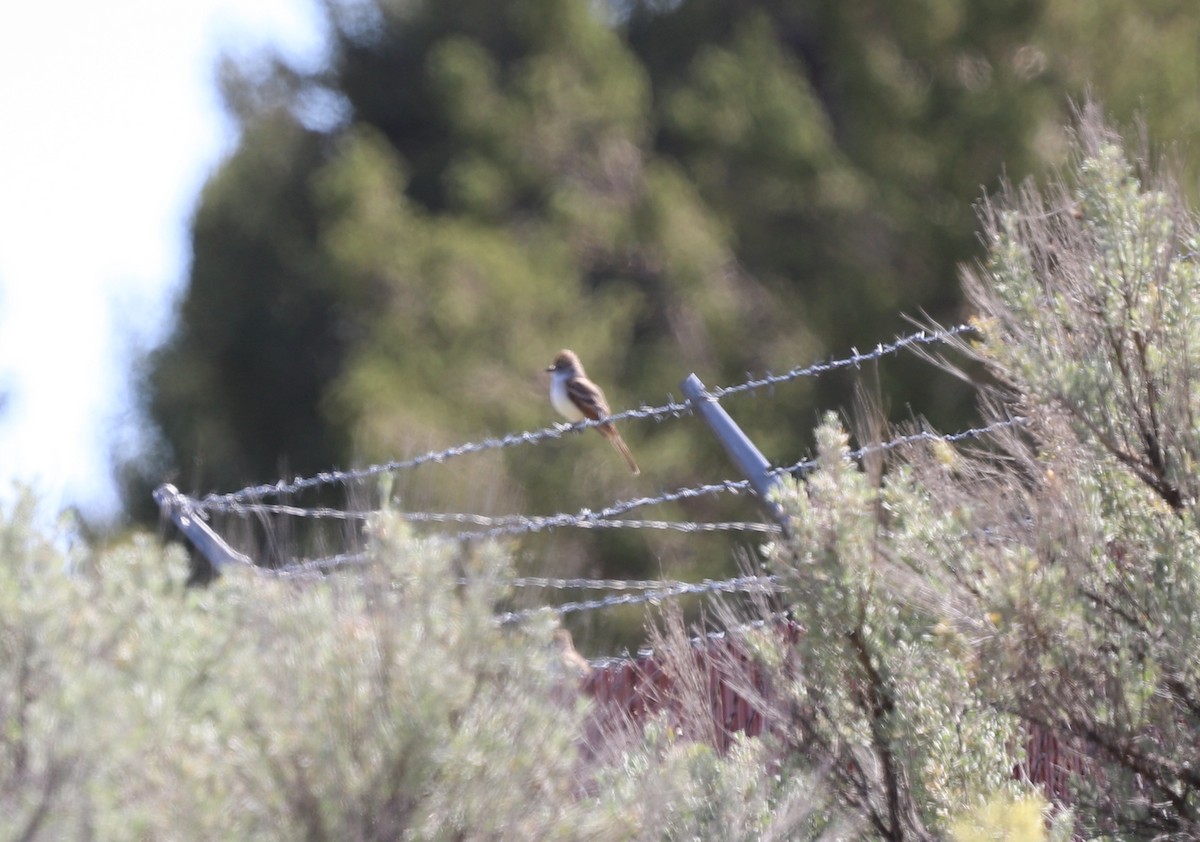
566,362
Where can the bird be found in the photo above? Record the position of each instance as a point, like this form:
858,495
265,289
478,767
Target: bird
576,398
572,663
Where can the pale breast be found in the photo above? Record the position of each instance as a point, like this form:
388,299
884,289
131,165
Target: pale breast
563,404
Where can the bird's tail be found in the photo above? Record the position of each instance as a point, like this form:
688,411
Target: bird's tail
618,443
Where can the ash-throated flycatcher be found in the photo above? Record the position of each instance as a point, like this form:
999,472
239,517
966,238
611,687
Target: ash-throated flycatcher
573,664
576,398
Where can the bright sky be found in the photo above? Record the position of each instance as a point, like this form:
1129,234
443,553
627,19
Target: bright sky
109,124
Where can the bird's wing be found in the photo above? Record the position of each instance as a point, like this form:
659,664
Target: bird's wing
588,397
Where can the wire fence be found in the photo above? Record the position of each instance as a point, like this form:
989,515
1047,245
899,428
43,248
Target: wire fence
623,683
740,584
805,465
607,518
248,502
672,409
697,641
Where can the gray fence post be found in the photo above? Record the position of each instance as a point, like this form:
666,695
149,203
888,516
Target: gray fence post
179,508
750,461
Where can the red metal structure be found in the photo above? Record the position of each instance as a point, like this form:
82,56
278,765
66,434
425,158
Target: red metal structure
629,692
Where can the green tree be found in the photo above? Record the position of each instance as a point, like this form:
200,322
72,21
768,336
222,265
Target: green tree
946,598
446,266
405,236
844,145
236,392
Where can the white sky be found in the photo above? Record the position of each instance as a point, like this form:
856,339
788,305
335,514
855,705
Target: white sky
109,124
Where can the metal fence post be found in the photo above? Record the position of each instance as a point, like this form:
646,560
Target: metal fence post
179,509
753,465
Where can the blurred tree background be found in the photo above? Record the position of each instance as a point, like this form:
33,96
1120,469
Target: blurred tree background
404,237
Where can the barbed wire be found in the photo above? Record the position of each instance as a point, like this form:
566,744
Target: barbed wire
517,522
319,566
521,521
606,518
671,409
808,464
223,502
855,360
247,501
750,583
740,584
611,584
586,518
311,513
650,591
685,526
329,563
607,661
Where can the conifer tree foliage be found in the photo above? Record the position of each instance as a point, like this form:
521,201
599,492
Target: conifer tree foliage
406,235
236,392
948,598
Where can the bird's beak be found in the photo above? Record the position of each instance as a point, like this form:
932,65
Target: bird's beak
549,368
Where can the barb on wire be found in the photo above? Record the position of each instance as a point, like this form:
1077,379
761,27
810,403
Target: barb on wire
614,584
318,566
330,563
607,518
685,526
806,465
741,584
855,360
586,518
226,502
604,662
498,521
672,409
311,513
